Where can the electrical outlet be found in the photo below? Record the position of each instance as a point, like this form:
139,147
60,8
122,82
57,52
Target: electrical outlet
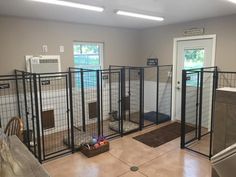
61,48
45,48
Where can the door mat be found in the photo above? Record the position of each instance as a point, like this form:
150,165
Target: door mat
163,135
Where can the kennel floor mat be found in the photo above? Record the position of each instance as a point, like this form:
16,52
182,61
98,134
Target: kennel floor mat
127,126
151,116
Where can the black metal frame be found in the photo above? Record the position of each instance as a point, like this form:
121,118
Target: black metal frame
214,77
29,96
142,72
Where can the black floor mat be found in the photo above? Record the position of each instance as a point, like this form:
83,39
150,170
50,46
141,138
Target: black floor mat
163,135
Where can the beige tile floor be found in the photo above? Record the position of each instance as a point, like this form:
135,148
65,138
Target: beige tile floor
167,160
202,146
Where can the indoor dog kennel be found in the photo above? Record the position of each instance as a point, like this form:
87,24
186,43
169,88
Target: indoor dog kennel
63,110
198,95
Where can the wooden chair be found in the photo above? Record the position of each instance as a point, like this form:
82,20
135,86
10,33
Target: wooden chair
15,127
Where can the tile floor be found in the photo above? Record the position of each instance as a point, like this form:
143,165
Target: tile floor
167,160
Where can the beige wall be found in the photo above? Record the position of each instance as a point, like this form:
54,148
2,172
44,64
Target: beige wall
158,41
20,37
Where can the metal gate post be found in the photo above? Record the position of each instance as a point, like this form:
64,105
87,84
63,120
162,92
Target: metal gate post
71,112
183,108
157,96
17,94
98,102
200,105
122,99
141,106
37,116
110,106
82,98
214,87
26,111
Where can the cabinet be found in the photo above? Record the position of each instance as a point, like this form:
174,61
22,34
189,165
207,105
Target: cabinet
224,132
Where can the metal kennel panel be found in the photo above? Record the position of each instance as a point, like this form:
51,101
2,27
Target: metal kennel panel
190,97
151,90
226,79
54,115
26,93
134,97
110,82
164,93
157,94
9,99
85,105
198,92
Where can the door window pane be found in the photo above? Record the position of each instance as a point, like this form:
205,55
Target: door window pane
193,58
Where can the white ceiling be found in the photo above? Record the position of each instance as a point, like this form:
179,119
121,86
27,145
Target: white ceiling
174,11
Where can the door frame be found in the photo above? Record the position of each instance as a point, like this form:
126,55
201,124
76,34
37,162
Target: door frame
175,48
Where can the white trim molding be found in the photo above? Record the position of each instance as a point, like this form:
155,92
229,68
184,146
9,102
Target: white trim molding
189,38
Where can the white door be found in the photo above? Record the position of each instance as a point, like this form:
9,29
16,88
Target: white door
191,54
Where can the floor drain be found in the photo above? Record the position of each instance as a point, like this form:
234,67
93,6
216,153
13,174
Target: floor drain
134,168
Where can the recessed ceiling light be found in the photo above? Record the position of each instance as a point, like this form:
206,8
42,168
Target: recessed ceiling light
233,1
131,14
71,4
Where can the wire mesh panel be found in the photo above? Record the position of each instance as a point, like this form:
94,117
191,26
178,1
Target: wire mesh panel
192,99
110,102
134,97
85,105
197,105
54,114
25,89
226,79
9,99
62,111
131,93
164,93
150,96
17,100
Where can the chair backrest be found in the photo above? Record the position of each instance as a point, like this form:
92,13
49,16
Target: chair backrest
14,127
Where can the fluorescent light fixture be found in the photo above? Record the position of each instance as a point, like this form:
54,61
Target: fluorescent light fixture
131,14
71,4
233,1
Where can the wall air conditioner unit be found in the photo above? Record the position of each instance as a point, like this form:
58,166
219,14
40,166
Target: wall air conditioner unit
43,63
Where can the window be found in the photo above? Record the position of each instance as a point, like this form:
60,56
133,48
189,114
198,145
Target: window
193,58
88,56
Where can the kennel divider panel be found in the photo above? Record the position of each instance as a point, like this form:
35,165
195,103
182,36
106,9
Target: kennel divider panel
9,99
198,91
54,99
26,93
87,87
110,102
134,99
164,99
151,90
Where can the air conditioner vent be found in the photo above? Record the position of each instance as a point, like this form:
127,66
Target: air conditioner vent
48,61
43,63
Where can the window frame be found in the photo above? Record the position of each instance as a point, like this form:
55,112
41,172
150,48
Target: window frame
101,51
